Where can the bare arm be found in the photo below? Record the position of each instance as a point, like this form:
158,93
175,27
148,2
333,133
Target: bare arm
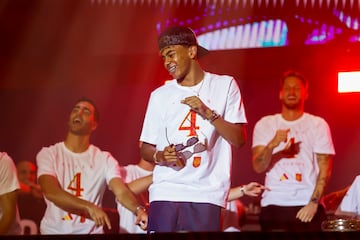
263,155
252,189
127,198
332,200
165,157
8,204
147,151
140,185
307,213
261,158
234,133
68,202
325,169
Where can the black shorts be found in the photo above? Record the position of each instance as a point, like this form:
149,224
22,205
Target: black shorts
165,216
283,219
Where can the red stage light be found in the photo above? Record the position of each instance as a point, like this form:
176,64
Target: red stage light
348,82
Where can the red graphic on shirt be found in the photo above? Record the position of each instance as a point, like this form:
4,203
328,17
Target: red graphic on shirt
298,177
69,217
75,187
284,177
196,162
192,127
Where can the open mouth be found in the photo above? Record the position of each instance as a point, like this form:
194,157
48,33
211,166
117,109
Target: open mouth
77,120
172,69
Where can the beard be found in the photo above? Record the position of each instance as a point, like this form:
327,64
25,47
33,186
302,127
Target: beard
292,105
80,129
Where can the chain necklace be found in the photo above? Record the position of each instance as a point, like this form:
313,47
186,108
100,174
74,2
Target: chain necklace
197,93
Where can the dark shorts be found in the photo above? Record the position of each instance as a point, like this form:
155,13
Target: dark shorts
277,218
167,216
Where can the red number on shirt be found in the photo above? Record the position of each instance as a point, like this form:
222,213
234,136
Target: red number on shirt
189,125
75,185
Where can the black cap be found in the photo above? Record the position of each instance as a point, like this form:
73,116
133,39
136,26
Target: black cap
179,35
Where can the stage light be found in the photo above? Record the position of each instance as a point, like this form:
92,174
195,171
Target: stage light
269,33
348,82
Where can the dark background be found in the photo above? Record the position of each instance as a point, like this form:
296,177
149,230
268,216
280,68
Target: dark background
53,52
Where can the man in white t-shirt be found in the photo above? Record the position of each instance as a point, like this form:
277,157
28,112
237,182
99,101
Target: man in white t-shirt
190,125
9,186
73,175
295,149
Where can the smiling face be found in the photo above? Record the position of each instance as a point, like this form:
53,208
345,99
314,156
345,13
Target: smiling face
82,119
177,60
293,93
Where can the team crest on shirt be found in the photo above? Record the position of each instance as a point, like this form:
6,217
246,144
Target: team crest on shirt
196,162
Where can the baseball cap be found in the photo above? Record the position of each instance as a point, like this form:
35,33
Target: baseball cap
179,35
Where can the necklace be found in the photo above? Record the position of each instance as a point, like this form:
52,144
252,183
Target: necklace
197,93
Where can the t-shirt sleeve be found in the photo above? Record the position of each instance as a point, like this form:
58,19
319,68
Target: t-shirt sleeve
44,160
8,175
113,168
262,133
324,144
235,110
150,130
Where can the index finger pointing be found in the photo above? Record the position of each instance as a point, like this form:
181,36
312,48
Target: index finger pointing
108,223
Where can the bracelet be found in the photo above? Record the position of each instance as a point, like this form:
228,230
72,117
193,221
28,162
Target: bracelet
214,116
314,200
138,208
242,190
154,157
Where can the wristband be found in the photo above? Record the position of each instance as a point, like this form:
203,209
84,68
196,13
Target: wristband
154,157
138,208
214,116
242,190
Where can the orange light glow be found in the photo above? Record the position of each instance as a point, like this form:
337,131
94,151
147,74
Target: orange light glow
348,82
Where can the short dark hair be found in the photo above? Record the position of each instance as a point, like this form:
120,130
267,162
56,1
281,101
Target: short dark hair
292,73
96,111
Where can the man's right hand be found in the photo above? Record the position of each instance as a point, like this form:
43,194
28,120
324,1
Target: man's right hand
98,216
281,135
172,158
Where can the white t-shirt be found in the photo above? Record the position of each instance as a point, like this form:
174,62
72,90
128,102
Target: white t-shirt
9,183
206,176
127,218
84,175
351,201
292,180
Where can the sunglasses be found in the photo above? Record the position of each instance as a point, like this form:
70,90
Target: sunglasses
190,142
182,156
198,148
